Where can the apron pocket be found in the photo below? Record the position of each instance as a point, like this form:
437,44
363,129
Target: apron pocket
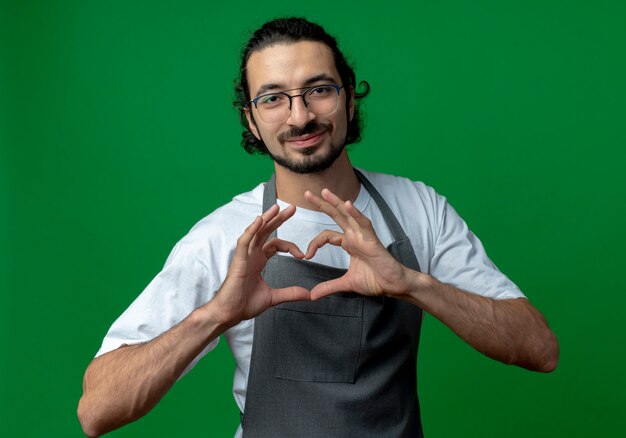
318,341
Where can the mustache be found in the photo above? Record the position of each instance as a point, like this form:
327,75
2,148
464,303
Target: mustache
313,127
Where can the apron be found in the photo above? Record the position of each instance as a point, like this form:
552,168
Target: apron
341,366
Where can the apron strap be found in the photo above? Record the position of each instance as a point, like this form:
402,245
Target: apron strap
269,199
269,194
392,222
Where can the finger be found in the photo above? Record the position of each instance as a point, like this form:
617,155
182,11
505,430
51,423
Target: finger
292,293
243,243
342,207
326,236
330,287
362,220
333,200
280,218
278,245
273,218
270,213
326,207
273,223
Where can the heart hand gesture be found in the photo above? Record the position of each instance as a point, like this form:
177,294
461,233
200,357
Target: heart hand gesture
372,270
244,294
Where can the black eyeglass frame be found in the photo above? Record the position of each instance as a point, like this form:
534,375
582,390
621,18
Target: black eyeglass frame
290,97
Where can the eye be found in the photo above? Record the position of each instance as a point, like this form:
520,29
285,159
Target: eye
271,100
320,92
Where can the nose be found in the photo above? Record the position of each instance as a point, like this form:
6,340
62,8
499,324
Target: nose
300,115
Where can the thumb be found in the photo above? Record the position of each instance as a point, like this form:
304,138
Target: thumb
292,293
330,287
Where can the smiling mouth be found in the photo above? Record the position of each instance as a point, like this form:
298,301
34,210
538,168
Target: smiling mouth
306,140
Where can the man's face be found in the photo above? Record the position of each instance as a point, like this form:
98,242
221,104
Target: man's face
305,142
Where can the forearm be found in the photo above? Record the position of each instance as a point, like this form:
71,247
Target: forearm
125,384
511,330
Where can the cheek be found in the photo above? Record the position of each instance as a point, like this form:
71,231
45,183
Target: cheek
259,131
268,134
341,125
263,131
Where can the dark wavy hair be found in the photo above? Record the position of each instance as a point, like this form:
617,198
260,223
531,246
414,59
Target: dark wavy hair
286,31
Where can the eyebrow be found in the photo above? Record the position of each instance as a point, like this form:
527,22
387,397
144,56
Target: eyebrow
310,81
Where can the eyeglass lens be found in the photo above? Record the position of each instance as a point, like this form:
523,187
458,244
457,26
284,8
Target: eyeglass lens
276,107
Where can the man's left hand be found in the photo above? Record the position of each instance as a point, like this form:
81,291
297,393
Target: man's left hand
372,270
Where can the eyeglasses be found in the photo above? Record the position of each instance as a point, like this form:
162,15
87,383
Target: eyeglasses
276,107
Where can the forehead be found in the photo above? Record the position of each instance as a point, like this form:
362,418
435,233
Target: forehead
290,65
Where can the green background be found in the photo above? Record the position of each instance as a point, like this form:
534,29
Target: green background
117,134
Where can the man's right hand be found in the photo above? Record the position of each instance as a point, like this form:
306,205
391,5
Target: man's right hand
123,385
244,294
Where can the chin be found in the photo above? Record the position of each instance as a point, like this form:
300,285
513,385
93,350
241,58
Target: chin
309,161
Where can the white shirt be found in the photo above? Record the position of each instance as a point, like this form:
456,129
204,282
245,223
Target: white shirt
197,266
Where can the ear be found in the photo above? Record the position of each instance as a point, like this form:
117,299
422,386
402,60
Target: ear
251,123
351,103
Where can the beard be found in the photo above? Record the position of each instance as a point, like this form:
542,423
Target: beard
308,162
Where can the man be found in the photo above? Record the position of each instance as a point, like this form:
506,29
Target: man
325,340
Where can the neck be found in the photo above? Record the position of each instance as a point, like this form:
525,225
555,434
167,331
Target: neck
339,178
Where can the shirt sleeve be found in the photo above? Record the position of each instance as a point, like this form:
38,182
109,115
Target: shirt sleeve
460,259
182,285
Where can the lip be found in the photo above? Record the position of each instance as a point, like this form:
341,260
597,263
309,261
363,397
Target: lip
306,140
